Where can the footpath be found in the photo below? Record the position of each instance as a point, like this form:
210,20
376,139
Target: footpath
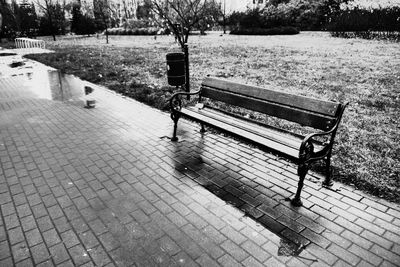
106,187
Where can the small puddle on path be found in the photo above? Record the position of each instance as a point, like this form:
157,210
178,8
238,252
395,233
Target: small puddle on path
45,82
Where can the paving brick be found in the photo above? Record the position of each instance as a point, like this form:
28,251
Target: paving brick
47,263
26,262
59,253
79,225
8,209
365,254
88,240
323,254
370,226
99,256
228,261
334,227
79,255
6,262
69,238
234,250
33,237
316,238
233,220
15,235
169,246
271,224
311,224
255,251
386,225
233,235
386,254
20,252
51,237
337,239
11,221
4,250
44,224
341,263
206,261
40,253
108,241
206,243
196,220
343,254
183,259
291,224
376,239
39,211
23,210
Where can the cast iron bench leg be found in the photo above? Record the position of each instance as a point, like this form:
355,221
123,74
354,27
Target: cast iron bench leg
328,181
302,172
202,130
175,118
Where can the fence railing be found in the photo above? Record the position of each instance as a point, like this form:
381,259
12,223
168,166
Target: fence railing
29,43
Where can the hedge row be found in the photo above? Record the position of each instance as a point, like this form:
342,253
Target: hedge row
365,20
284,30
136,31
393,36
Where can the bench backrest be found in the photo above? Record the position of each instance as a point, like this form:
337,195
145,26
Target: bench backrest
318,114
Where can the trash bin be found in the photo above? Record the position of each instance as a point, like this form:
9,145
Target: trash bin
176,69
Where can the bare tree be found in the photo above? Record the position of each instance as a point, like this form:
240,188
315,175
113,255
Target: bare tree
181,16
54,11
106,14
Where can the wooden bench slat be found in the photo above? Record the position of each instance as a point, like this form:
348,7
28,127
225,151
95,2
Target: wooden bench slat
314,120
250,136
324,107
266,131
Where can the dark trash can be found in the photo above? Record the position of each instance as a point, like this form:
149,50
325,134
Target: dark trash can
176,69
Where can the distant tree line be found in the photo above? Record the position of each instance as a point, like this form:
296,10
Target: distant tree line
58,17
299,14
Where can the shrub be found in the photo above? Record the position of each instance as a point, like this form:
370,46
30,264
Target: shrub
371,23
284,30
135,31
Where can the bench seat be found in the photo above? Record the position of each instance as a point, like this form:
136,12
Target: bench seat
268,137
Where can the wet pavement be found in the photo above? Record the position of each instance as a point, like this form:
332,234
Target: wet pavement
106,187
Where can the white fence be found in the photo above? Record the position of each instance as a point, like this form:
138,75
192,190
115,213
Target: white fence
29,43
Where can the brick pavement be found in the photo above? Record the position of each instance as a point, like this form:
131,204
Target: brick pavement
106,187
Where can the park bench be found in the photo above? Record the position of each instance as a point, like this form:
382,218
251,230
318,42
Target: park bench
320,116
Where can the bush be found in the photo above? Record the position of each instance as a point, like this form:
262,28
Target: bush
284,30
138,23
372,23
135,31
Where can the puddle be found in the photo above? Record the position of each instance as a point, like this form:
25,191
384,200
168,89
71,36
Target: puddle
53,85
16,64
45,82
5,54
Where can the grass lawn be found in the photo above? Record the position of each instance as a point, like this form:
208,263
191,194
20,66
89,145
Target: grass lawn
364,72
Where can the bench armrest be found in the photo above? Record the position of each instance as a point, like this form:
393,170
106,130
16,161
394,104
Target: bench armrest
307,149
175,101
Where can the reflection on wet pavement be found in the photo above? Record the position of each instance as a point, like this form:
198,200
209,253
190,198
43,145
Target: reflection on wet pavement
44,82
189,160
